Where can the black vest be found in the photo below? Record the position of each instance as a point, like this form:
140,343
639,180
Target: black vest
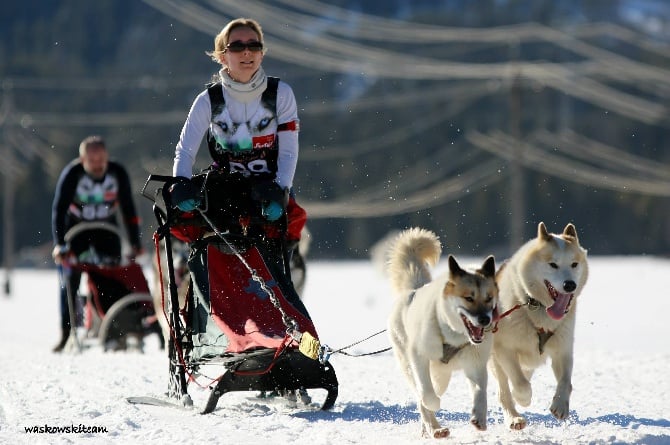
259,155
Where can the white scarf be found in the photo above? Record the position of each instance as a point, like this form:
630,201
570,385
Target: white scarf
245,92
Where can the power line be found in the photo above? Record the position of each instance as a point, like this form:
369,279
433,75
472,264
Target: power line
501,145
335,19
445,162
399,134
452,188
344,56
460,90
152,83
602,155
606,63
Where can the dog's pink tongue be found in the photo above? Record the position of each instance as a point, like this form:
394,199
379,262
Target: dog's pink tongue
557,310
477,333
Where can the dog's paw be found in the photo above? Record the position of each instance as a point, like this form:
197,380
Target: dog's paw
560,408
522,393
478,423
517,423
440,433
560,405
431,402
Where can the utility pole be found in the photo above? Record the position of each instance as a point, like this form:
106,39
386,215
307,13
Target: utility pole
9,190
517,209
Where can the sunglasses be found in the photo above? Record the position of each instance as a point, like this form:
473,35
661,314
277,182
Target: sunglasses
238,46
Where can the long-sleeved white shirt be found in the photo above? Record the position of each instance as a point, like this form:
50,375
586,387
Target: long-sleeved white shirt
242,125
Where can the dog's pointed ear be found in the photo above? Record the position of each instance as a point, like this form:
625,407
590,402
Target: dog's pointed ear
489,267
454,269
571,230
543,233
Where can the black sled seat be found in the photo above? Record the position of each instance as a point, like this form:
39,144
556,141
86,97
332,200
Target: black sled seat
241,310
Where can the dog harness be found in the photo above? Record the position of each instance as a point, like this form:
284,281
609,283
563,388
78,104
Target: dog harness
449,351
542,335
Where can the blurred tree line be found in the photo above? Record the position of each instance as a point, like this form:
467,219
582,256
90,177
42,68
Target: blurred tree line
378,153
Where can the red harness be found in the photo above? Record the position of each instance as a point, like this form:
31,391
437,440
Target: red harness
542,334
505,314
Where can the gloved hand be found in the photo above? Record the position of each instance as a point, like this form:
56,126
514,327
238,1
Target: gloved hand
272,210
59,253
273,199
184,195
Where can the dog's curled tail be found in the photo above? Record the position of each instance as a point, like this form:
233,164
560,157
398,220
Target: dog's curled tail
410,257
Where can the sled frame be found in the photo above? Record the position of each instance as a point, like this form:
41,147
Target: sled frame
256,370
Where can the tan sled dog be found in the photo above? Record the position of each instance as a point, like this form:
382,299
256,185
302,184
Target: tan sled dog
438,326
539,285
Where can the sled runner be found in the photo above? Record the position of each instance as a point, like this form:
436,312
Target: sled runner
240,324
117,302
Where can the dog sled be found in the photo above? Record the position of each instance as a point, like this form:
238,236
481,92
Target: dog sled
241,326
115,309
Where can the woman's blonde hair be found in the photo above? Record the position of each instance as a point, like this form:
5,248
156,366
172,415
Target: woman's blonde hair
221,39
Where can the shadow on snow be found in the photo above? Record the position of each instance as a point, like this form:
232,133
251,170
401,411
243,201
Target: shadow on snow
378,412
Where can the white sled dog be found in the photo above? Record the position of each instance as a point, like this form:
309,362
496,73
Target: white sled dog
438,326
539,285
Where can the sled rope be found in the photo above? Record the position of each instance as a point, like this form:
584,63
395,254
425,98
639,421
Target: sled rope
290,324
325,351
307,344
292,332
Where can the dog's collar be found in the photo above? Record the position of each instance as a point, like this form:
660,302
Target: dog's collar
532,303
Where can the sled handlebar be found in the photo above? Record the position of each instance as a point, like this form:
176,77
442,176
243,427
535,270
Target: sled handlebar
91,257
227,201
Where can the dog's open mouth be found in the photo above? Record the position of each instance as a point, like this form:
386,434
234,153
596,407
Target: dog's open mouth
476,333
561,304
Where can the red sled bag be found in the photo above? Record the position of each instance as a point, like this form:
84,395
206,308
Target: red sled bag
233,307
240,306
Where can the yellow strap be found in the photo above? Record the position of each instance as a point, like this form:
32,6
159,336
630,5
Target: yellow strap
309,346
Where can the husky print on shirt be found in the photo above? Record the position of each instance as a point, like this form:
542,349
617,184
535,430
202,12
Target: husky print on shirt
95,200
250,147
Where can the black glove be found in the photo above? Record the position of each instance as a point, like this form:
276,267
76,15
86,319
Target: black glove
184,195
273,198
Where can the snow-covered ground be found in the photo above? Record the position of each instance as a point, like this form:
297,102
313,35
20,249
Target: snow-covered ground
621,376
